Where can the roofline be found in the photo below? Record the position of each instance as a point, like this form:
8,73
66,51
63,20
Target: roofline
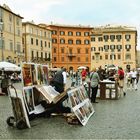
37,25
11,12
70,26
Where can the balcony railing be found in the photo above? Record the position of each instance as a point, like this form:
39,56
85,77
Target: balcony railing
71,54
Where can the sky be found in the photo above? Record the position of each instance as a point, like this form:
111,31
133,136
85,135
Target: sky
75,12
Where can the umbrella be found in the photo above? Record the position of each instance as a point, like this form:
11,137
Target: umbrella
9,67
82,67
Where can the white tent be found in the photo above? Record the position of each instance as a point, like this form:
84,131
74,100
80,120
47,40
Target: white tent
82,67
6,66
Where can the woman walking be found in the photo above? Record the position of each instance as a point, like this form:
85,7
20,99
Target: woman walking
94,78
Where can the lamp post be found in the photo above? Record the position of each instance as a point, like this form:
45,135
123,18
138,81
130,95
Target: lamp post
1,31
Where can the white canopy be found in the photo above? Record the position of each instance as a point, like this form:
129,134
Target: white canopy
9,66
82,67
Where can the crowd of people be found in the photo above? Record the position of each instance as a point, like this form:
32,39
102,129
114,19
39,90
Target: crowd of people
128,79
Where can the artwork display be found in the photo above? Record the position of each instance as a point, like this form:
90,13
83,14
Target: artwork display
80,104
34,74
29,97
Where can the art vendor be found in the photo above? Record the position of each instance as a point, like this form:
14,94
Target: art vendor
59,80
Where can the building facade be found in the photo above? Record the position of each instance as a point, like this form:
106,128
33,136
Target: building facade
70,46
114,45
11,36
37,43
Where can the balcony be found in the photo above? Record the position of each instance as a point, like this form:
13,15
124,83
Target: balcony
97,52
71,55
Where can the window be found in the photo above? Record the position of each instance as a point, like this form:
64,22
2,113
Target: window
86,33
49,44
31,30
100,57
118,37
93,57
112,47
41,55
86,51
127,47
78,33
106,57
106,47
119,56
46,55
106,37
87,59
37,54
127,37
78,59
18,31
41,42
62,50
93,48
78,50
62,41
112,57
54,40
54,50
100,49
62,59
40,32
32,55
37,42
93,39
17,21
11,45
70,50
112,38
70,33
18,47
119,47
45,34
70,41
128,56
10,17
100,39
54,32
45,44
78,41
86,41
62,33
32,41
54,59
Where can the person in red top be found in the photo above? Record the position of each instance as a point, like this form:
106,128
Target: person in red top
121,80
84,74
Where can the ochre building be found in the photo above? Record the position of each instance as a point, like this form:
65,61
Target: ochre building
71,46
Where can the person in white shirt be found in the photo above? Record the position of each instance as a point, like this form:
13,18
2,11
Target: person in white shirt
128,79
133,76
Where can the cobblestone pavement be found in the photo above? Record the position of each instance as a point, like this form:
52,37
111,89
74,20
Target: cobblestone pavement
113,119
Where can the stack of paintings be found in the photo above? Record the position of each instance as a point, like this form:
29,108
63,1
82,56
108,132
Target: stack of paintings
80,104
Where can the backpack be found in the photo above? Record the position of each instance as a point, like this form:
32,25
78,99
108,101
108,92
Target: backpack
121,76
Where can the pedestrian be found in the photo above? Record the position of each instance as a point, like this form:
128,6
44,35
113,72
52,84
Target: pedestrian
94,78
101,73
59,80
83,74
59,83
134,81
121,81
128,79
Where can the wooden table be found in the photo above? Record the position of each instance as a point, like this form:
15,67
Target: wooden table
111,86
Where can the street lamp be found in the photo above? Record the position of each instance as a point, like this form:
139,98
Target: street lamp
1,31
